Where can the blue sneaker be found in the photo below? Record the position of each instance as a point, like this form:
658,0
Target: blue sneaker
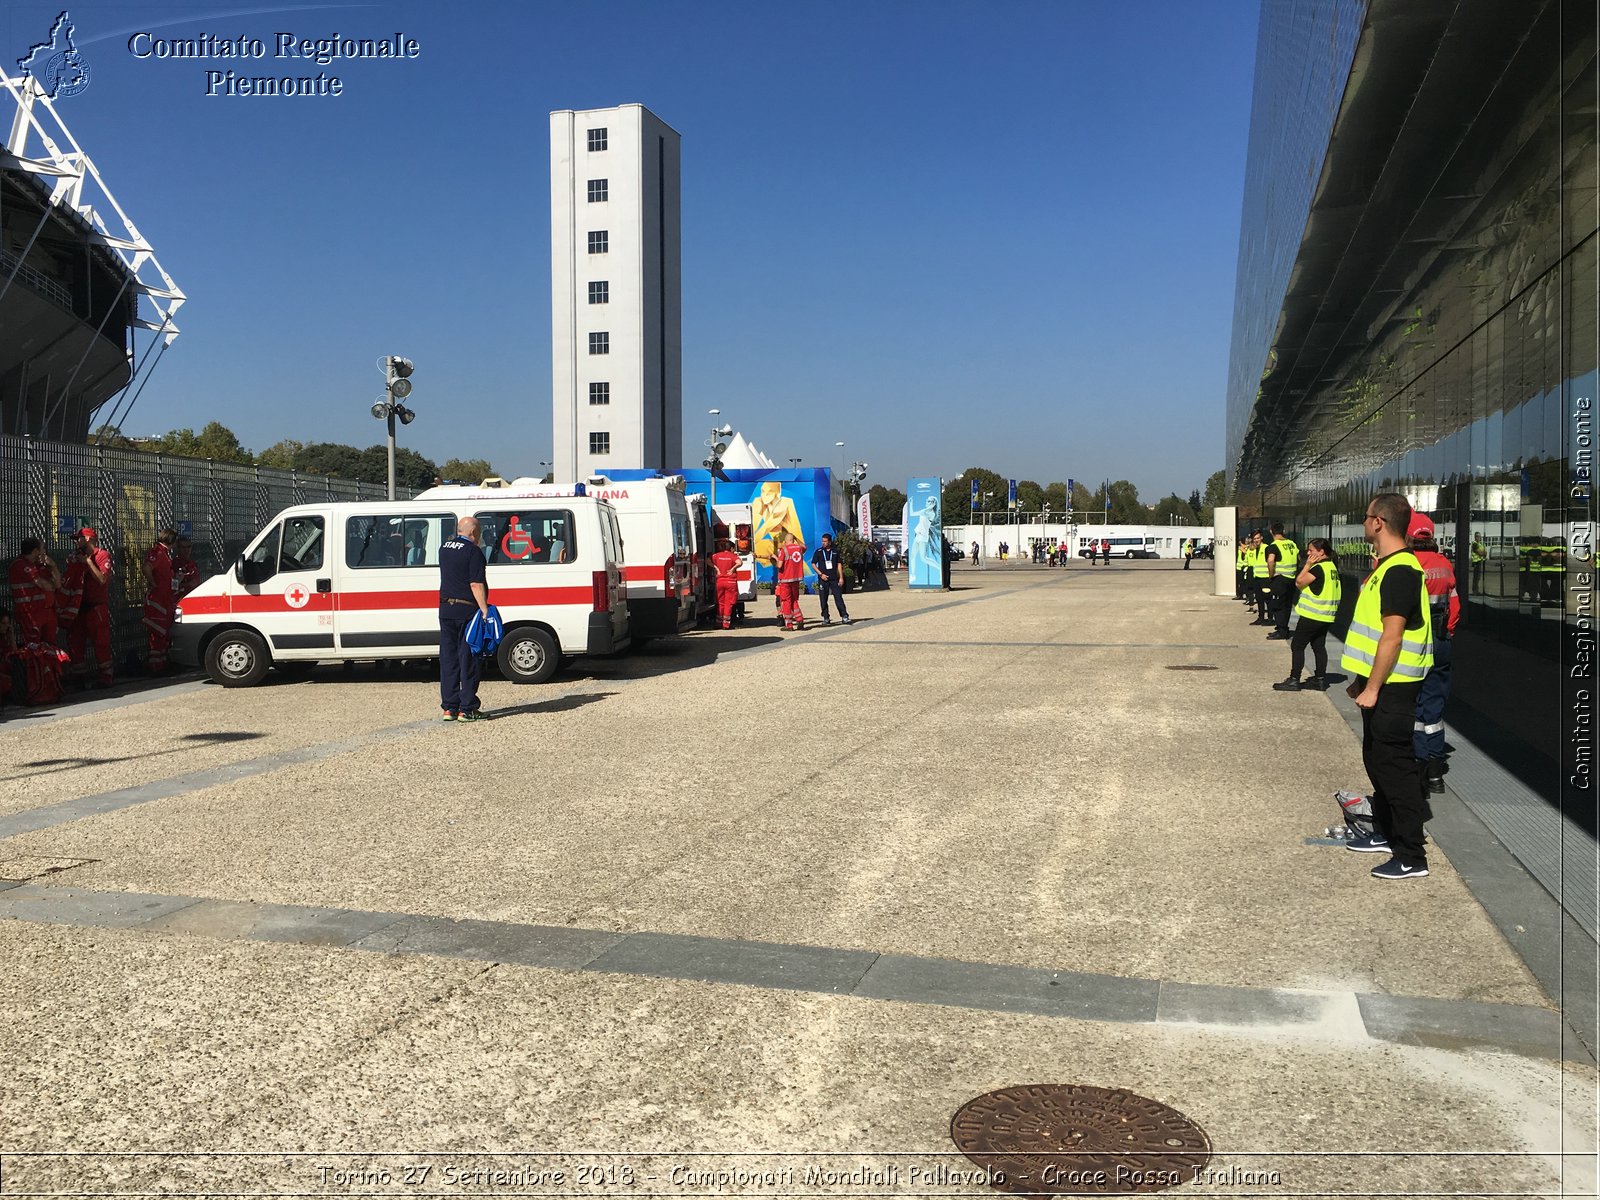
1395,869
1373,843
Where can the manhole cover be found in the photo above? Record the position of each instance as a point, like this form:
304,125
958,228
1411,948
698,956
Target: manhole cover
1189,667
1066,1137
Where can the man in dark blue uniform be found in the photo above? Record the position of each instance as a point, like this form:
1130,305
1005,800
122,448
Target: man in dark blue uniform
830,579
463,591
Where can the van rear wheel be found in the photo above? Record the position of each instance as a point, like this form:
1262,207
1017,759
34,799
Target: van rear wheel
237,658
528,656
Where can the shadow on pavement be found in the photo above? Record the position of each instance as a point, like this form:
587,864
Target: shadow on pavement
51,766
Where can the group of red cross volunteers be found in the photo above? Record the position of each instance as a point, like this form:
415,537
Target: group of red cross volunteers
789,573
1396,658
48,602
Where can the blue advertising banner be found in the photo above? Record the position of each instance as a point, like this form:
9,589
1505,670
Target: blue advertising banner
795,500
974,495
925,533
1011,493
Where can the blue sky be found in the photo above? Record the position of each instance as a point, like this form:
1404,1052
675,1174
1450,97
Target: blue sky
948,234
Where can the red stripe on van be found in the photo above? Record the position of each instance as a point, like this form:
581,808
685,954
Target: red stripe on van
499,596
203,606
274,602
645,574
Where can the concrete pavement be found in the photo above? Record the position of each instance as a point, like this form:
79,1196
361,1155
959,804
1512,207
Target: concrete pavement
753,892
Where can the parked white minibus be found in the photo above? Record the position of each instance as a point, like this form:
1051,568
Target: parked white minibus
360,580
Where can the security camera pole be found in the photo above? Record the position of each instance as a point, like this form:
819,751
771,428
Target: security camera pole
397,376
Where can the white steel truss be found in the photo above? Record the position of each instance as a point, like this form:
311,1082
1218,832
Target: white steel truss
34,144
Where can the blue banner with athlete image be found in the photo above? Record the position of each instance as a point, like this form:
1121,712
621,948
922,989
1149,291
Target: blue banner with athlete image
924,533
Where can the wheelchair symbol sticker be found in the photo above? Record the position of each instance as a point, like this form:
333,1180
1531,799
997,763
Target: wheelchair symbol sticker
517,543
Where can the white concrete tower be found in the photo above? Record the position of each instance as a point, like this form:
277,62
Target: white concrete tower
616,292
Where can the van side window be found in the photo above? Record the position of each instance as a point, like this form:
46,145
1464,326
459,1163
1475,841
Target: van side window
302,544
528,536
389,540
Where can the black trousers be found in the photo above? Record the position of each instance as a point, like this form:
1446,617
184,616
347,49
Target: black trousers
1283,594
458,665
1309,633
1398,805
1261,589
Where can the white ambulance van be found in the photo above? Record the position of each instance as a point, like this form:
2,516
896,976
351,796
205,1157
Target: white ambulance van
658,543
360,580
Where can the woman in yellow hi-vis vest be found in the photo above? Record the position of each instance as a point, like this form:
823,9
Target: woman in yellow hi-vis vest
1388,650
1316,608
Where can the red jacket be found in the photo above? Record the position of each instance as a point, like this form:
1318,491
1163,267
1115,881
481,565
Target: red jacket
26,591
1441,580
792,563
158,564
94,591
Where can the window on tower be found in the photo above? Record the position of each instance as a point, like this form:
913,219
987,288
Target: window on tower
600,292
597,139
598,190
599,393
599,241
599,343
599,443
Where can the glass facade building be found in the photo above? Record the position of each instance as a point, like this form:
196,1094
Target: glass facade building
1416,312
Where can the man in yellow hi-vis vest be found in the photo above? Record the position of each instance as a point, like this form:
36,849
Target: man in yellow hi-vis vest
1388,650
1283,564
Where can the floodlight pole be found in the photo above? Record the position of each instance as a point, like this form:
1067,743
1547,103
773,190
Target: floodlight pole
391,451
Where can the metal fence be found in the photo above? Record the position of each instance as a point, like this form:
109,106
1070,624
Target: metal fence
49,490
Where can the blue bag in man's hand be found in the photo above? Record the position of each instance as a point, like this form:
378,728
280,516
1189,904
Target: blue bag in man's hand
483,634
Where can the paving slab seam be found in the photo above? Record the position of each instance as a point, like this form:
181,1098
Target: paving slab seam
1347,1017
27,720
49,816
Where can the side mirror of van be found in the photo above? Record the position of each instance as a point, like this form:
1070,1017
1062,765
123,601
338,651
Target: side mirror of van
248,573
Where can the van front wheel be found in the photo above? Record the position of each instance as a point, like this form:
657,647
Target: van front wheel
528,656
237,658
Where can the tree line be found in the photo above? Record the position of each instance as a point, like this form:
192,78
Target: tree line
216,441
1125,507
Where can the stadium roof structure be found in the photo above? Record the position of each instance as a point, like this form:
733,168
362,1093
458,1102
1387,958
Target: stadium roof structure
41,148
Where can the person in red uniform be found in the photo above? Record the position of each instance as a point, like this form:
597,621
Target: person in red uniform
159,597
186,572
791,575
1427,736
93,621
35,579
726,564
